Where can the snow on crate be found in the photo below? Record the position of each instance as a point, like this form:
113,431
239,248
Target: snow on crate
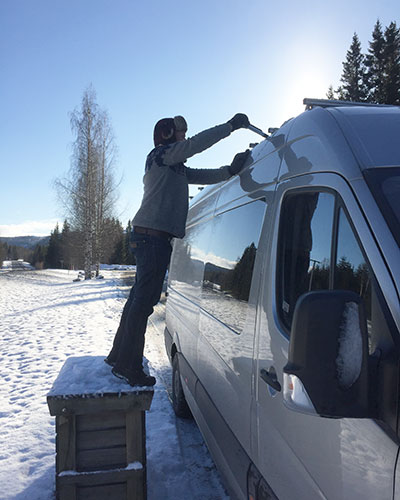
89,376
131,466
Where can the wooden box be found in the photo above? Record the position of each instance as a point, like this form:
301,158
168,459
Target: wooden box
100,433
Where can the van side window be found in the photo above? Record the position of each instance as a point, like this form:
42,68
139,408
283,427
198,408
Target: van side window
230,261
305,247
318,249
351,270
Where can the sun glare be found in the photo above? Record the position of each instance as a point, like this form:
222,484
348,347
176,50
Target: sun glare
305,84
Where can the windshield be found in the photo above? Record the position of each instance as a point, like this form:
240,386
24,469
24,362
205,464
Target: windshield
385,186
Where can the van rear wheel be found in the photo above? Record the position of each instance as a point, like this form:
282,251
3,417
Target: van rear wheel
179,403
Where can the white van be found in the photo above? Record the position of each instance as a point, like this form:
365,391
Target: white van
283,312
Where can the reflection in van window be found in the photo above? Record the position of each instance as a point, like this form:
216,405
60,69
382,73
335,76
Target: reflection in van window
312,256
306,232
188,262
351,270
230,261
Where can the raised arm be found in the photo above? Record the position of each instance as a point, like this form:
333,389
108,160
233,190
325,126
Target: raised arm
180,151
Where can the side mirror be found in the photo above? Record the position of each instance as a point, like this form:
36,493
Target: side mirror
327,369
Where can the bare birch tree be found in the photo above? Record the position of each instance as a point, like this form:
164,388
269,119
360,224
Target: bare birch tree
89,191
106,189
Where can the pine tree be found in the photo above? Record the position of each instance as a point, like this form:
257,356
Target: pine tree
38,257
54,254
3,252
113,238
117,256
129,257
391,83
353,75
331,93
13,252
375,64
66,246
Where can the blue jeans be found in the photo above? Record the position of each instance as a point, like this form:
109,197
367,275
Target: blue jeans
152,255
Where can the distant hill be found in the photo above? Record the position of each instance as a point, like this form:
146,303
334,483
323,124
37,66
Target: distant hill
25,241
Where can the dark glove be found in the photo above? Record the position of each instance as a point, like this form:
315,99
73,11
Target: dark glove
239,121
239,162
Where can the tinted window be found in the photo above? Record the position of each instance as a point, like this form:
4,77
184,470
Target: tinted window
352,272
351,269
306,235
378,134
187,265
230,261
385,186
316,252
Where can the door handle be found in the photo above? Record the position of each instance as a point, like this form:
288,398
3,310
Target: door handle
270,378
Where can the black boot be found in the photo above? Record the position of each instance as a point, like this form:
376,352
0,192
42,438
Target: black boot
134,377
109,361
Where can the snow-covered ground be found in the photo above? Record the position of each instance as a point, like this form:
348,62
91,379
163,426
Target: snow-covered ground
47,318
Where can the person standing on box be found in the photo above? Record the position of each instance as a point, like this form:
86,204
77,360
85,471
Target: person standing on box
160,218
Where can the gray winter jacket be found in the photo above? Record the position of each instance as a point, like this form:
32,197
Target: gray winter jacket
165,200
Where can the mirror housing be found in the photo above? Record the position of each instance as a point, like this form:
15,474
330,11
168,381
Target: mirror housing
327,369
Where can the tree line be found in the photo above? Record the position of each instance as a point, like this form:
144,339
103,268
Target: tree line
65,249
375,76
13,252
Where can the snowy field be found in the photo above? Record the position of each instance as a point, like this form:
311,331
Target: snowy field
46,318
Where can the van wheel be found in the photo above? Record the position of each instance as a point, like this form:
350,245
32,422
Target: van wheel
179,403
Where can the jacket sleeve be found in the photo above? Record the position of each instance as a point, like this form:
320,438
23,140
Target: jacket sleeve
180,151
207,175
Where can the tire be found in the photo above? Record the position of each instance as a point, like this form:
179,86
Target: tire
179,403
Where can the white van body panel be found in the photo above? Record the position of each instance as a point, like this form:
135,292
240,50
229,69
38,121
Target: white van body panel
332,457
224,344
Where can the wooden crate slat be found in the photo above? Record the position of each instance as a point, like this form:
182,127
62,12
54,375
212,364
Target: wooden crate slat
103,492
135,437
136,490
95,478
92,440
108,402
101,459
100,421
65,443
66,492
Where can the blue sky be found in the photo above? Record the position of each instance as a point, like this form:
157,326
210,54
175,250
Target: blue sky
151,59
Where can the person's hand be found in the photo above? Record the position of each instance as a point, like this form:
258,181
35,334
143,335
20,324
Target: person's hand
239,162
240,120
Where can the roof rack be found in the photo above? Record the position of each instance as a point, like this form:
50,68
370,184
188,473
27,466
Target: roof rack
327,103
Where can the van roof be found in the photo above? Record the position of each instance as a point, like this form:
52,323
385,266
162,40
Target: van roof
373,133
370,132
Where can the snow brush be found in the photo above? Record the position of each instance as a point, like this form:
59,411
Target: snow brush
257,131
